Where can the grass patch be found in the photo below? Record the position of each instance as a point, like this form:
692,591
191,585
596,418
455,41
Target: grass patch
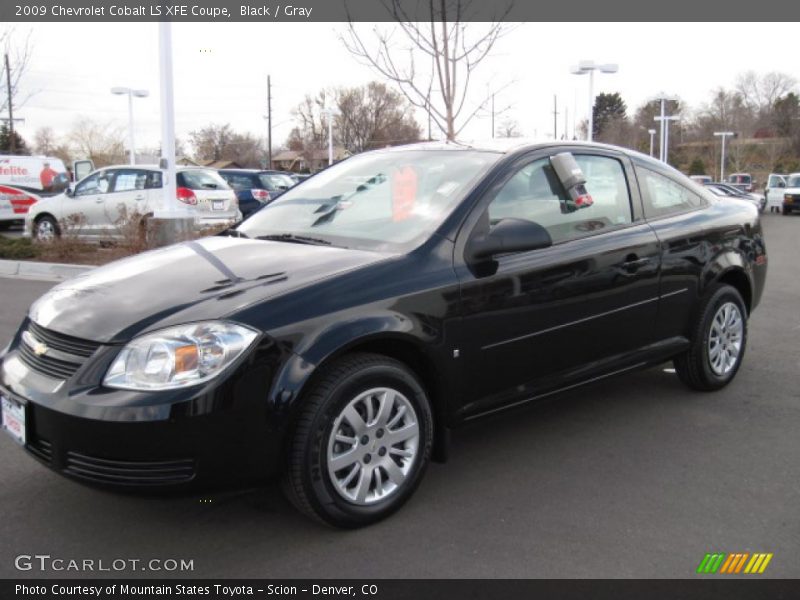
18,249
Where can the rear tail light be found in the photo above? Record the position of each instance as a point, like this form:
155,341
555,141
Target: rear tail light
186,196
260,194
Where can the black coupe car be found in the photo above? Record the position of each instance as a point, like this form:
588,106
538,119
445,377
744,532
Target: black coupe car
337,335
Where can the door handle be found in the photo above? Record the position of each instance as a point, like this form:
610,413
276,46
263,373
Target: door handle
139,197
98,200
632,262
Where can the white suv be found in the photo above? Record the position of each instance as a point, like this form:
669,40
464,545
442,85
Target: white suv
100,204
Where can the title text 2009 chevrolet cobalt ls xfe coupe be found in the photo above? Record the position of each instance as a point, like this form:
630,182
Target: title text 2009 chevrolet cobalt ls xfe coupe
337,335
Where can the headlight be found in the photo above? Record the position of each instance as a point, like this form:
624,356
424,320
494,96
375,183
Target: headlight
179,356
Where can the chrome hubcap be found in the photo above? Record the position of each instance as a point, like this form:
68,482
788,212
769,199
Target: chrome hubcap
373,445
725,338
45,230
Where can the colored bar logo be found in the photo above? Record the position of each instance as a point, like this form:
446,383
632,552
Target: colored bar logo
734,563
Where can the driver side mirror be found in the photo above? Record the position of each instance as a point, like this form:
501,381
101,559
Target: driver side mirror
781,184
509,235
69,192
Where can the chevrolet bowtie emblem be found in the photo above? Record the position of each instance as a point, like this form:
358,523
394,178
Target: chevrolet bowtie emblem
38,347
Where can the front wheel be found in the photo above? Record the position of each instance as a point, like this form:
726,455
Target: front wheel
719,339
46,229
362,442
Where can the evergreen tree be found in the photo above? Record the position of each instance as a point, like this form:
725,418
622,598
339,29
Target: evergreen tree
20,147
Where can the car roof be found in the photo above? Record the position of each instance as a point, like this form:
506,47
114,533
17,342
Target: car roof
155,167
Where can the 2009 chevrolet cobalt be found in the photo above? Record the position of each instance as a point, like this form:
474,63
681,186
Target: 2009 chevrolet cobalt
337,335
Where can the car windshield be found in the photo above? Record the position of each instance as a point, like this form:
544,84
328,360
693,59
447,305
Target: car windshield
793,181
201,179
386,200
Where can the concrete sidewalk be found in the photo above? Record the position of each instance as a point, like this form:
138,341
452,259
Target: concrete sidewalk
29,269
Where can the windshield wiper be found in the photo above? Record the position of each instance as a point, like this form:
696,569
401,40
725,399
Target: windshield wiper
293,238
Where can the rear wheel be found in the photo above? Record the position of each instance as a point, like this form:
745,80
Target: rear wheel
46,228
718,342
362,443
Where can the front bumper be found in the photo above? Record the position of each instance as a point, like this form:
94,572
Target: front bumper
224,432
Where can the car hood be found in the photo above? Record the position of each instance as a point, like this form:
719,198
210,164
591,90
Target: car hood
190,281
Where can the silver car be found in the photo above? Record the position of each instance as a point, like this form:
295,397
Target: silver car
103,203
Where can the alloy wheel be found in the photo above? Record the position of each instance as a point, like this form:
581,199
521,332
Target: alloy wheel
373,446
725,338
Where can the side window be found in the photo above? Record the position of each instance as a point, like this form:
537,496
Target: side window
94,184
128,180
664,197
154,180
535,193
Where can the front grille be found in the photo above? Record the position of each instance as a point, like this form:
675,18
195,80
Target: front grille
63,343
47,365
125,472
72,352
42,449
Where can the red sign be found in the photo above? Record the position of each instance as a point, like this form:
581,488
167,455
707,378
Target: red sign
404,193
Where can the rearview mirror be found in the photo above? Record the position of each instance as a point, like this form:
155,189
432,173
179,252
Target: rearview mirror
509,235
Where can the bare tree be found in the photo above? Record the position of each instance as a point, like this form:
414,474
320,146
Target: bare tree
760,92
44,140
508,128
221,142
19,50
103,143
436,54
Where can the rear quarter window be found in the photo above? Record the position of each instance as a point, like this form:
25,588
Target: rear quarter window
664,197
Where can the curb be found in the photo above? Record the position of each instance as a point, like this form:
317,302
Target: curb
26,269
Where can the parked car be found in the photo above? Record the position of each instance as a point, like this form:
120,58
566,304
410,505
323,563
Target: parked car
14,205
725,189
701,179
743,181
773,191
255,188
337,335
99,202
791,194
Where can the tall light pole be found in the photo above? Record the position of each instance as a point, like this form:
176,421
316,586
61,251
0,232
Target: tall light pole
331,112
652,133
665,134
724,135
589,66
121,91
662,97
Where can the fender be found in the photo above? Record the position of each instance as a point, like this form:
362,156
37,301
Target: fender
404,337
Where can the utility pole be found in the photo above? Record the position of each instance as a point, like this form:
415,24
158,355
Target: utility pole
555,117
12,142
269,123
566,122
428,107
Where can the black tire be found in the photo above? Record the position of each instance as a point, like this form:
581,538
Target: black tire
694,367
307,481
785,211
49,220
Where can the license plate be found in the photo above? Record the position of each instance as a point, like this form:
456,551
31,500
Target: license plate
5,208
218,205
13,418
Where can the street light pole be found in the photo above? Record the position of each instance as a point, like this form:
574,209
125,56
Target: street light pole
652,133
663,97
589,66
724,135
665,128
121,91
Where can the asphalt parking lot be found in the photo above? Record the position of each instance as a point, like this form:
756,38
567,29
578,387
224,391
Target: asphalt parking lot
633,477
